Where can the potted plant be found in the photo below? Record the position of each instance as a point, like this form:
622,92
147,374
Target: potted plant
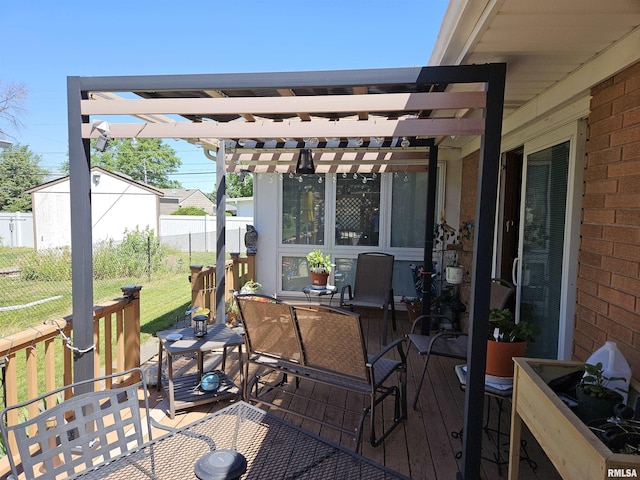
595,399
507,339
319,268
231,307
414,307
455,272
250,287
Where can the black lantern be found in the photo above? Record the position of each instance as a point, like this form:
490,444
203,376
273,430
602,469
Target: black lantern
305,162
200,325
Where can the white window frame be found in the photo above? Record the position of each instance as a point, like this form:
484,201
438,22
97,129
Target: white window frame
351,251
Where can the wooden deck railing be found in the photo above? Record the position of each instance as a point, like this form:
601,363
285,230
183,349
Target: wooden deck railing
46,350
238,271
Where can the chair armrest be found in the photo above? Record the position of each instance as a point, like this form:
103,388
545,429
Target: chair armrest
395,344
158,425
445,335
421,318
346,288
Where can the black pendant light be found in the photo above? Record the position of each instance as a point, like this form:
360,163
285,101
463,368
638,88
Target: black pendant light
305,162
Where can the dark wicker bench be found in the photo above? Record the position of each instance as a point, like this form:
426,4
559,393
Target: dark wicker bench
322,344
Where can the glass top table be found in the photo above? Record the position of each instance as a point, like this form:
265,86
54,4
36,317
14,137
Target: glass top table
272,447
310,291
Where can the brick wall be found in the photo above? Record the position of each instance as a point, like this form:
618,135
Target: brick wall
608,288
468,201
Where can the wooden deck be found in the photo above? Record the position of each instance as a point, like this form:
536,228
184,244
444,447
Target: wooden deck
425,447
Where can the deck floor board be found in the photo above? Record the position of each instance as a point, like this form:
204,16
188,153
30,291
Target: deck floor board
422,448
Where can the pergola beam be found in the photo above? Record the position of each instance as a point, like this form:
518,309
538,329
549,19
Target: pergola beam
410,127
389,102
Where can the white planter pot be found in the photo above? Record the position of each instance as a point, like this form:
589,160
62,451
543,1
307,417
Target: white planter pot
455,275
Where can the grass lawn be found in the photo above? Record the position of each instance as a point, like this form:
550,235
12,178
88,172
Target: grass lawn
34,302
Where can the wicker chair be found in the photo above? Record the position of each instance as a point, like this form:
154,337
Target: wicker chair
453,344
75,428
322,344
372,287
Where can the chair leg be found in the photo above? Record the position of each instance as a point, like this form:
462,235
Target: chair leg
385,324
393,309
424,371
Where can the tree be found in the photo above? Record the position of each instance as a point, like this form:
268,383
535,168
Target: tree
239,185
19,171
12,97
236,187
148,160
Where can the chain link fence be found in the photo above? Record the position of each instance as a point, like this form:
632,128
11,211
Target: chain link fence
35,286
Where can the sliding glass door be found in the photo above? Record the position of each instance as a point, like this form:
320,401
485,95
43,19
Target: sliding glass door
545,268
543,218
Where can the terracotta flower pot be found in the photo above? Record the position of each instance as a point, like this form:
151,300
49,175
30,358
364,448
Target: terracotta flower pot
319,279
500,357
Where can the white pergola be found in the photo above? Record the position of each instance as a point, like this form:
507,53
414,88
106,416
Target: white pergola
380,120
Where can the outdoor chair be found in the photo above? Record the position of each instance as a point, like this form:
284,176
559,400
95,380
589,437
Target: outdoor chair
453,344
326,345
269,334
372,287
332,341
73,429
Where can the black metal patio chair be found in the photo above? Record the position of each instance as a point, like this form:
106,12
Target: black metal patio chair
453,344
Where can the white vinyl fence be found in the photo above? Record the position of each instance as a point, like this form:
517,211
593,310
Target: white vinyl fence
189,233
185,233
16,229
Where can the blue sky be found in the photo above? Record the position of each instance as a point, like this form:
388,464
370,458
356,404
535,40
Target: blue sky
44,42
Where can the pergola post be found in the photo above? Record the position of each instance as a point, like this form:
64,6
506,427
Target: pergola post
481,279
81,237
428,237
221,211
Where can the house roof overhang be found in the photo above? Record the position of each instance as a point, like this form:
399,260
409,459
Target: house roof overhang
555,53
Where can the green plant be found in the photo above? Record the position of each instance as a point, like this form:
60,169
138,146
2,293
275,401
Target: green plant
502,327
230,306
594,382
51,265
251,286
415,301
317,262
196,211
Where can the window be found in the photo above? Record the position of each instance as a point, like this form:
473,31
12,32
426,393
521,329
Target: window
408,210
344,215
357,210
303,204
295,274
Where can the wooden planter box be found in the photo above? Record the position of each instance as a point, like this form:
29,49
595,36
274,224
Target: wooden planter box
575,451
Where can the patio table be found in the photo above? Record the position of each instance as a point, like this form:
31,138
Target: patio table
499,392
310,291
272,447
184,392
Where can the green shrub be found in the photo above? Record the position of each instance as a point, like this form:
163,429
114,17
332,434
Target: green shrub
53,265
139,254
189,211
